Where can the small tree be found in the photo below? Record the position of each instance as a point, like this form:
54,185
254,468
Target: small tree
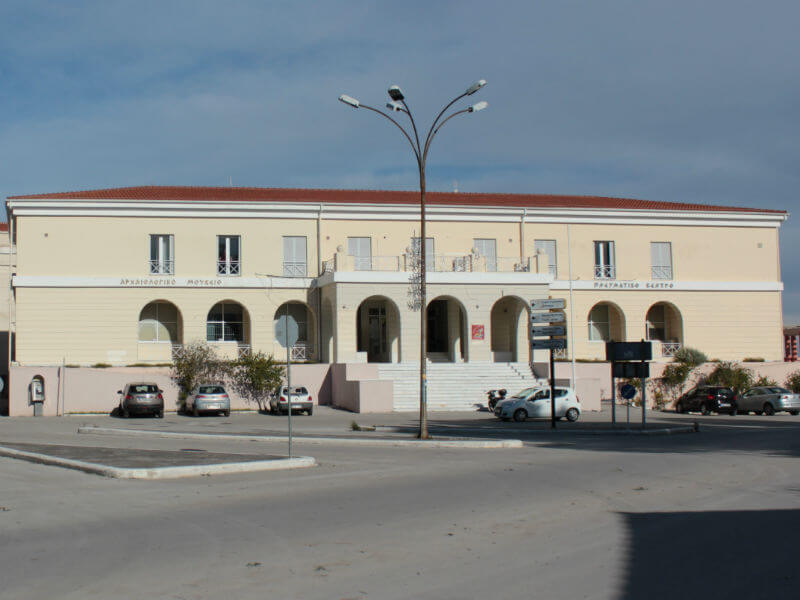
690,356
196,362
793,381
764,381
676,373
731,375
254,376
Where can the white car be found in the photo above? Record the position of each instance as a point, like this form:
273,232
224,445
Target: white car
301,401
535,403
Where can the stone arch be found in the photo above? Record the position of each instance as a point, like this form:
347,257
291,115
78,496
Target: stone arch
305,318
664,323
228,321
378,329
446,327
510,330
160,321
606,323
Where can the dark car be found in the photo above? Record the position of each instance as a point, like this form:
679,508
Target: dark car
141,398
707,399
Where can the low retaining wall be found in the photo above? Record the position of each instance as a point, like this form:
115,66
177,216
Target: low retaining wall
91,390
357,388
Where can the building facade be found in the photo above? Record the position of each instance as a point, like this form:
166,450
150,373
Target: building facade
125,276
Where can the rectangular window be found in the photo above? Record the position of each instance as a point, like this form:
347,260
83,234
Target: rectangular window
162,253
294,256
430,256
549,248
229,258
360,248
661,254
487,248
604,265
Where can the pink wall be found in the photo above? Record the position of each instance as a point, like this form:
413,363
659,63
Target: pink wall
88,390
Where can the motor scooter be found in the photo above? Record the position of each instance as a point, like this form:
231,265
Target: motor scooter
495,396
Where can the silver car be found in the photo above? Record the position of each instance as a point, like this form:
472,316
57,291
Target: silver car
208,398
141,398
301,401
768,400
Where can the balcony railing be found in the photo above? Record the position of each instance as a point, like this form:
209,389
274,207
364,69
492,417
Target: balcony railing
294,269
301,351
605,272
662,272
439,262
228,267
161,267
668,349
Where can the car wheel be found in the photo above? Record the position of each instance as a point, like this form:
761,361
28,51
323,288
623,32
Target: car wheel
520,415
704,409
310,412
195,412
679,408
733,412
769,410
226,413
572,415
793,412
160,414
124,412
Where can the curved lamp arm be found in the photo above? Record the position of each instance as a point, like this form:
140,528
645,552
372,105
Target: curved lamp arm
400,127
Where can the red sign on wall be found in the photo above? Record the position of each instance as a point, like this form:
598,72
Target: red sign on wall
477,332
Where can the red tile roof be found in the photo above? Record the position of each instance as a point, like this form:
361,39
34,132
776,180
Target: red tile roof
3,226
249,194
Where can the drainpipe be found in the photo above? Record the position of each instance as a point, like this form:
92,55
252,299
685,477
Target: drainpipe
522,236
11,254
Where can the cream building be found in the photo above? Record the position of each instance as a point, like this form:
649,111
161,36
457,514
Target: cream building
124,276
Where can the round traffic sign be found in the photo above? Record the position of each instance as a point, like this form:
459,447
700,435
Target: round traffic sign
628,391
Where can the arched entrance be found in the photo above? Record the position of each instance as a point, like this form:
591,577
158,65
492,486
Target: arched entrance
303,348
228,328
447,330
510,330
378,330
606,323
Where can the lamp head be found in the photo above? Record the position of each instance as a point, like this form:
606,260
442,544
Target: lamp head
475,87
478,106
349,100
394,106
395,93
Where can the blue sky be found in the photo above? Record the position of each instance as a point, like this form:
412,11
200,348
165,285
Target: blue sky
674,101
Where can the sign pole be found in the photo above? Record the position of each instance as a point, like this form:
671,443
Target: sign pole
644,394
613,398
289,378
552,390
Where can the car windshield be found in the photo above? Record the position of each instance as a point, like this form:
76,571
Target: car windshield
779,390
211,389
143,388
524,393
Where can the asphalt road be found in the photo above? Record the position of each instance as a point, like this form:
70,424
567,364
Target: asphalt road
707,515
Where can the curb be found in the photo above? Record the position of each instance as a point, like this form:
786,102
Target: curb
659,431
161,472
431,443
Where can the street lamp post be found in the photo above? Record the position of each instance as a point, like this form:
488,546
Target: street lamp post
398,104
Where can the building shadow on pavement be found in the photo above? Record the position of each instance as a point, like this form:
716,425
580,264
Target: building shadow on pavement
711,555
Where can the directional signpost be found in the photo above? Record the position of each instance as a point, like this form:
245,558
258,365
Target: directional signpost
540,314
622,355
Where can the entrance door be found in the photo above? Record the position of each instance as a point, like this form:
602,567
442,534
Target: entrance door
437,326
376,326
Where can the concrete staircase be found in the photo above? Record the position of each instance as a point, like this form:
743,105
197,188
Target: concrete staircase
455,386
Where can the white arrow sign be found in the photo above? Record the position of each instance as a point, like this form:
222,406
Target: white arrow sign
554,344
547,303
548,317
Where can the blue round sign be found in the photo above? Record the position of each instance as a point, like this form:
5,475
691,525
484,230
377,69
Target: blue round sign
628,391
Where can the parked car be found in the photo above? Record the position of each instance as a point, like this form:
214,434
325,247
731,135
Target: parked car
141,398
301,401
208,398
707,399
535,402
768,400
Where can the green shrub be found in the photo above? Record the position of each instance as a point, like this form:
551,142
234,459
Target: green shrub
764,381
793,381
101,366
690,356
756,359
195,363
254,376
731,375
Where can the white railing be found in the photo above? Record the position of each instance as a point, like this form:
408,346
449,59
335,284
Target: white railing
560,353
243,350
328,266
161,267
663,272
301,352
386,263
294,269
669,349
228,267
605,272
177,349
